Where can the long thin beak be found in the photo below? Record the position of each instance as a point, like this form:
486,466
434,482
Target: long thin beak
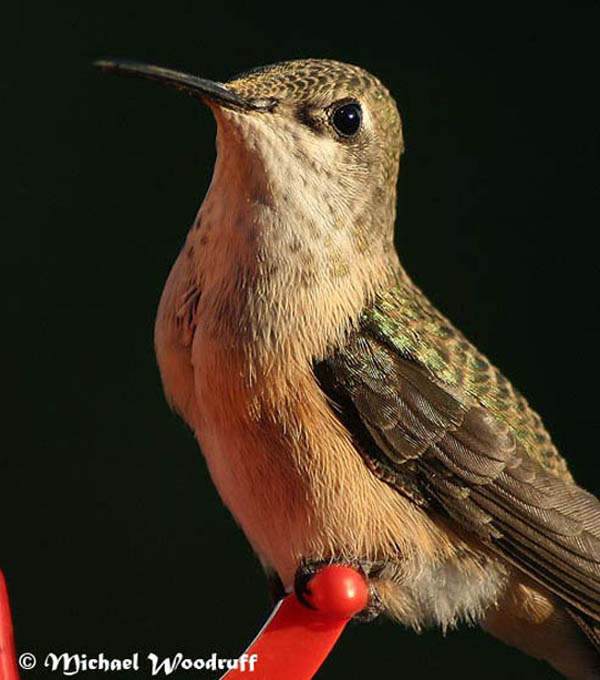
207,90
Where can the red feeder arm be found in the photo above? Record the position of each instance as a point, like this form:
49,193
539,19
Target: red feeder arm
293,643
296,640
8,658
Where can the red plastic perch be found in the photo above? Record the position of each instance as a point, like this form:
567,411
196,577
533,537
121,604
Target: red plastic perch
293,643
8,658
296,640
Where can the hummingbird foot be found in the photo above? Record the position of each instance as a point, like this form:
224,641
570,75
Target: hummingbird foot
304,574
308,569
373,609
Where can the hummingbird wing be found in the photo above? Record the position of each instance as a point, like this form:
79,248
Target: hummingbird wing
425,427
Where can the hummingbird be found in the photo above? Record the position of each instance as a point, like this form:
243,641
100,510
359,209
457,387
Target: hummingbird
342,417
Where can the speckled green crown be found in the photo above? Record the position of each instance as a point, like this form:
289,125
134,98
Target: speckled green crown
305,81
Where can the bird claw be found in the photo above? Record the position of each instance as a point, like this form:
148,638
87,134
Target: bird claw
373,609
305,572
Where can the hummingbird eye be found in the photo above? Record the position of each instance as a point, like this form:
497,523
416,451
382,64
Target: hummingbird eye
347,118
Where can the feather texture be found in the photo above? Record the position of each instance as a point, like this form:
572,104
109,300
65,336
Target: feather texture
478,456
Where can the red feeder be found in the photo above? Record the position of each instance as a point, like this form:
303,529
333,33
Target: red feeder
8,658
293,643
296,640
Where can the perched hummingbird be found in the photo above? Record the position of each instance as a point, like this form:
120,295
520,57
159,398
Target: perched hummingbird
342,417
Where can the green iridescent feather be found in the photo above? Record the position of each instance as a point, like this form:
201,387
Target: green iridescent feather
403,319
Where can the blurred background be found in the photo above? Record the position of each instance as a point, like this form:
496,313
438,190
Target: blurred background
113,537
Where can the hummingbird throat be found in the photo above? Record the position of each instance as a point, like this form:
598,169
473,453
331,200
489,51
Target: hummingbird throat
277,245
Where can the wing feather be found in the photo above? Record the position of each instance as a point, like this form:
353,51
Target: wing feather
453,454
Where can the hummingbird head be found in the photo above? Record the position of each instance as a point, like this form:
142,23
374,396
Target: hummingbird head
334,123
303,194
329,143
323,135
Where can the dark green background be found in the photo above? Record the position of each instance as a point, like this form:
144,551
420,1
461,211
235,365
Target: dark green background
113,538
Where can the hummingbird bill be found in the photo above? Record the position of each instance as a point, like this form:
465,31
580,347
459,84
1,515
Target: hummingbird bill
342,417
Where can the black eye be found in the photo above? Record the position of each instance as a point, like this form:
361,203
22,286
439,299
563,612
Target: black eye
346,119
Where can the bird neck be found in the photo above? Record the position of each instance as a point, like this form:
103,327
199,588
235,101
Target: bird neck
278,279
